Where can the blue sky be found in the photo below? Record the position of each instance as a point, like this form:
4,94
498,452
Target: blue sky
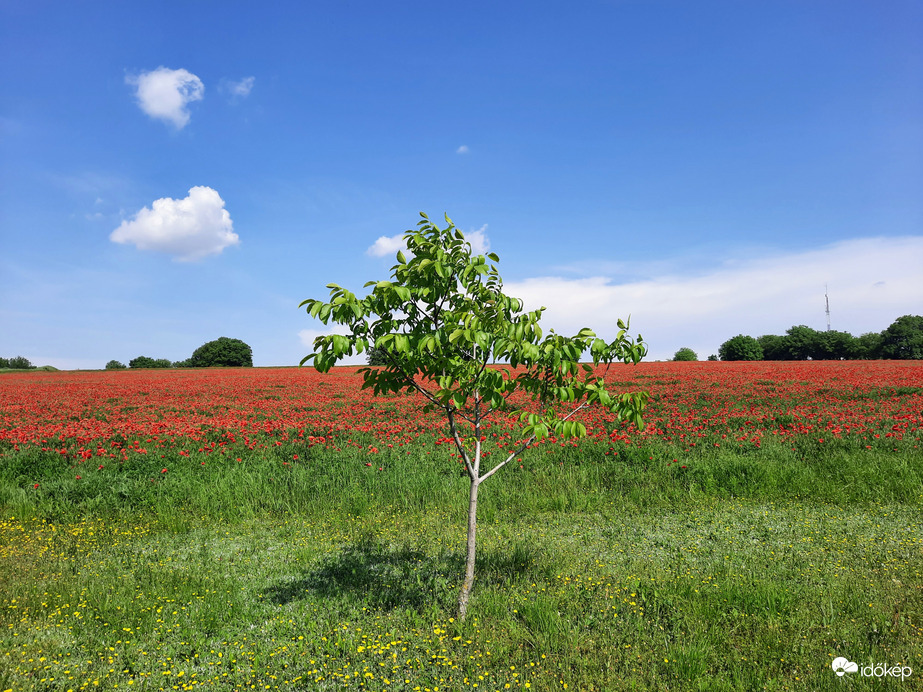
175,172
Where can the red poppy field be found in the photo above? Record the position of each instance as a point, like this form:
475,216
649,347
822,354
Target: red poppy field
282,529
116,416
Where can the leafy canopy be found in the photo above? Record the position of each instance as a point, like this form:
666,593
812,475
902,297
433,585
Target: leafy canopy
903,339
443,317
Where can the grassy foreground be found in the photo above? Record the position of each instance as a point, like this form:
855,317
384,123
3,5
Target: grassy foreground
597,571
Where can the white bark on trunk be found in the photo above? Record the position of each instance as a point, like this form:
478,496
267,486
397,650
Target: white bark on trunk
468,583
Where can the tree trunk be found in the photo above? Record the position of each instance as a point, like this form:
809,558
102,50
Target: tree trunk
468,583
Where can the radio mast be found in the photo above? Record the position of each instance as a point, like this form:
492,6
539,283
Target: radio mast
827,301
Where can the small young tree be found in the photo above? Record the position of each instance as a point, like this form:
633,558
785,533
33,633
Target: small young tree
440,320
685,353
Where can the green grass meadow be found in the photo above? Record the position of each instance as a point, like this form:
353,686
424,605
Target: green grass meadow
596,571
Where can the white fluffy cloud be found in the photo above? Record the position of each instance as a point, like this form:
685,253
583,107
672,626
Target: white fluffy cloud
389,245
189,228
165,94
480,243
870,281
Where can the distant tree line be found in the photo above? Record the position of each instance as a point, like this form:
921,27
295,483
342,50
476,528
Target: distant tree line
16,363
222,352
903,340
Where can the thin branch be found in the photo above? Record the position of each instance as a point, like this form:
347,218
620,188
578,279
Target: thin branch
464,416
460,445
524,445
483,366
582,406
512,456
407,377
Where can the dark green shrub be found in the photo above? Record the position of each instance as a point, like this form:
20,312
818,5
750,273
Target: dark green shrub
115,365
377,356
774,347
834,345
685,353
800,343
741,347
868,346
20,363
222,352
142,362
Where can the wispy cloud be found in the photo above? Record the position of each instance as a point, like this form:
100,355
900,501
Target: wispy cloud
189,229
463,149
165,94
870,282
238,90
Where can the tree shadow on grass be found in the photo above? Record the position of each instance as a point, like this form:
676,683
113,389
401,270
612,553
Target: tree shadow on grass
383,576
386,577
